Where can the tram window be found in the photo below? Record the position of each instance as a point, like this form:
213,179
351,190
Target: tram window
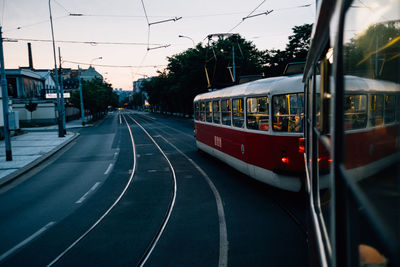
370,157
208,111
355,112
226,111
288,112
238,112
257,117
398,108
376,110
202,111
197,111
216,111
390,108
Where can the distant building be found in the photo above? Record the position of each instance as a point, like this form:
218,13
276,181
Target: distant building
90,74
25,83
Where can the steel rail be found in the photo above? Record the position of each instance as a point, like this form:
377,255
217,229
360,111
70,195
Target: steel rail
109,209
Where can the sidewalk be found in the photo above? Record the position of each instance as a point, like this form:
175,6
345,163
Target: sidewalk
33,147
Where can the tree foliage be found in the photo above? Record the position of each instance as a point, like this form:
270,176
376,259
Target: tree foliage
374,53
210,66
97,96
296,50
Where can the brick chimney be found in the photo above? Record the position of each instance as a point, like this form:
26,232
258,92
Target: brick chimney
30,56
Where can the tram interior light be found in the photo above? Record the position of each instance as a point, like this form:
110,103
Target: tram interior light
329,55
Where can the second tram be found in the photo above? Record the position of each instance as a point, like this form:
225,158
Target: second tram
257,128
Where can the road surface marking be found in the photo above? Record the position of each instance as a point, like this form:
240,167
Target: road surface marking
108,169
26,241
87,193
223,234
109,209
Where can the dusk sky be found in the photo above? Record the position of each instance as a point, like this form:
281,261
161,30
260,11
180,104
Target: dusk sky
118,30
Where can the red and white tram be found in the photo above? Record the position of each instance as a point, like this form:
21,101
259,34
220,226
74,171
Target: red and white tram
257,128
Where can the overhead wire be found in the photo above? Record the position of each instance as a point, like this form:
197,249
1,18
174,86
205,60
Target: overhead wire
266,12
79,42
113,66
237,25
34,24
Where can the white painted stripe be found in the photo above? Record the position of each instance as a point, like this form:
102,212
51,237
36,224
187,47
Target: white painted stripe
120,119
116,155
108,169
87,193
26,241
109,209
223,234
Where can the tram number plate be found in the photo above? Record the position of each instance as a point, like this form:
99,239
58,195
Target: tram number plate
217,141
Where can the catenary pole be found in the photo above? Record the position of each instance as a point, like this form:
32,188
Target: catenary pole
4,94
81,96
60,125
62,95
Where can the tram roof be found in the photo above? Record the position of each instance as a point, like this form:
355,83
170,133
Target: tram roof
357,84
275,85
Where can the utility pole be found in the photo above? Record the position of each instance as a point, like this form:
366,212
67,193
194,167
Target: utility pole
60,124
4,94
233,64
62,95
81,96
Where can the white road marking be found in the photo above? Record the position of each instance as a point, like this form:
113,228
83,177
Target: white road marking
115,155
223,234
109,209
153,170
26,241
87,193
108,169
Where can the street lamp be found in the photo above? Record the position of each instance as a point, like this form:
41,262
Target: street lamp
95,59
183,36
60,124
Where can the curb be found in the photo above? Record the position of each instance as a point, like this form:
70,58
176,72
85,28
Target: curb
12,176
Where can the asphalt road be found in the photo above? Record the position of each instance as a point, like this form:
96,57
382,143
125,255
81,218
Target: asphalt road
134,190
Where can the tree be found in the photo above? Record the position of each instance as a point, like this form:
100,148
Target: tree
296,50
97,97
185,76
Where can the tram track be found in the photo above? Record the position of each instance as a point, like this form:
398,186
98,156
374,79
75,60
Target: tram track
156,238
223,236
284,206
88,231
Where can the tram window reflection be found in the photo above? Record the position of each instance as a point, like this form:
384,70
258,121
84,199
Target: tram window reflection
208,111
390,108
376,110
257,117
355,112
288,112
226,111
197,111
371,157
202,111
216,112
238,112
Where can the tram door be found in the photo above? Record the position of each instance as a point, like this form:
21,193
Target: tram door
353,136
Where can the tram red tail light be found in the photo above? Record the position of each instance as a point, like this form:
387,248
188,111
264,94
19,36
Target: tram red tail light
301,145
284,158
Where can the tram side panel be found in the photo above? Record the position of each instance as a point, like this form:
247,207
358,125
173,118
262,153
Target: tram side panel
272,159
